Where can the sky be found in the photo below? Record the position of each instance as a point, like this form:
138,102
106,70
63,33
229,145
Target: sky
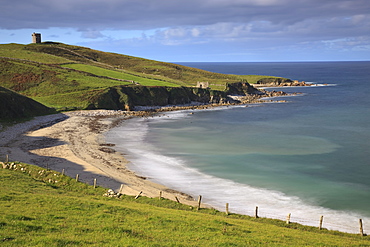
198,30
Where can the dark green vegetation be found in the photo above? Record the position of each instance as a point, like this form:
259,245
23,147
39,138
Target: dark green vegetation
16,106
44,208
71,77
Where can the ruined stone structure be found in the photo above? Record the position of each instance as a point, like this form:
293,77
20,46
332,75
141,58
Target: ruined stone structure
201,84
36,38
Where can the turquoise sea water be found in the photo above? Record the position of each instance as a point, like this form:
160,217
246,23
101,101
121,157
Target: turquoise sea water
308,157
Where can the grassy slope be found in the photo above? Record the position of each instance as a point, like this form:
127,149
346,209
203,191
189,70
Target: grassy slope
37,211
15,106
60,75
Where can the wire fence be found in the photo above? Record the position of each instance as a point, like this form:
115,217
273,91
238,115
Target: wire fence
321,221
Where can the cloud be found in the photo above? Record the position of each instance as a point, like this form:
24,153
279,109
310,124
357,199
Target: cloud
242,24
150,14
91,34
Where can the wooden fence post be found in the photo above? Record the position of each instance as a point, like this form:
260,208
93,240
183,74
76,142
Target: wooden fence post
7,158
227,208
361,228
199,201
288,218
77,177
94,183
138,195
160,195
256,213
177,199
120,189
321,220
63,172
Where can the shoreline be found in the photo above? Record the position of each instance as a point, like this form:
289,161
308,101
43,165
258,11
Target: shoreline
75,142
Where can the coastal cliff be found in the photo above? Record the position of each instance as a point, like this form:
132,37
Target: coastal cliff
127,97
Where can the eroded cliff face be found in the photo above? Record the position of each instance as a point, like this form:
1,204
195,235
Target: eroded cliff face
241,88
127,97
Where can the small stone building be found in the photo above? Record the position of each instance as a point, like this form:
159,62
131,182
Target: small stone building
201,84
36,38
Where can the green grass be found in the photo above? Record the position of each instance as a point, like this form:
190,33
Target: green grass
72,100
41,207
18,51
119,75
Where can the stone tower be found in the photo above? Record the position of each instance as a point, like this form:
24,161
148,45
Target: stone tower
36,38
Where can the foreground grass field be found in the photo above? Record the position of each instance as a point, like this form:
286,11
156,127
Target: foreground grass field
40,207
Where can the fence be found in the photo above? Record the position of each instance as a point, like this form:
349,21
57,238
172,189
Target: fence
289,218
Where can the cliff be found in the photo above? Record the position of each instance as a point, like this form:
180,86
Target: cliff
127,97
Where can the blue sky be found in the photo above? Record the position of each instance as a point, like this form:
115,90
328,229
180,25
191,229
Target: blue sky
198,31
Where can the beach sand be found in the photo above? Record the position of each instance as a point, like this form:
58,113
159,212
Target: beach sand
74,141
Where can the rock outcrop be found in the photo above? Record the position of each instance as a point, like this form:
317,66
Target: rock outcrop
279,82
128,97
241,88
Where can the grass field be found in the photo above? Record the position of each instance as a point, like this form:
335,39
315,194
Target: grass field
40,207
119,75
18,51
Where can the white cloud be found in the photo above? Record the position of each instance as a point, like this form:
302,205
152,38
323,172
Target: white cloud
91,34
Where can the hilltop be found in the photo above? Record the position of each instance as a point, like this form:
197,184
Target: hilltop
73,77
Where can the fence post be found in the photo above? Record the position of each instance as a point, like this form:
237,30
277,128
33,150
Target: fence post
120,189
94,183
361,228
63,172
256,213
177,199
138,195
160,195
227,208
321,220
199,201
77,177
7,158
288,218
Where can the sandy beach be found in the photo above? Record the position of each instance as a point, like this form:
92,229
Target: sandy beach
74,141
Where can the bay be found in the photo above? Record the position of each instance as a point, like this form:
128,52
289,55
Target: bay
308,157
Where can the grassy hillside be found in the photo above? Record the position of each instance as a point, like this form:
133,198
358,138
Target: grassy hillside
16,106
40,207
65,76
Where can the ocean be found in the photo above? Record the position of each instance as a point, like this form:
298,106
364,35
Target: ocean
308,157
